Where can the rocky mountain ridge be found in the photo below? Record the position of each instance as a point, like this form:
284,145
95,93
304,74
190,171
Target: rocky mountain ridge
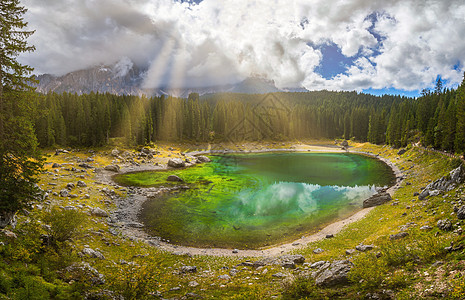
127,79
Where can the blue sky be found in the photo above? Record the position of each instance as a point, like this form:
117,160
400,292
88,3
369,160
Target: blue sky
393,47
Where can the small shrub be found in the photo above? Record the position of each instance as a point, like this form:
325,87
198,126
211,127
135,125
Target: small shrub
64,224
134,281
368,271
301,287
458,288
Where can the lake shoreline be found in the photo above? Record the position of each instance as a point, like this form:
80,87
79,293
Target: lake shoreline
126,216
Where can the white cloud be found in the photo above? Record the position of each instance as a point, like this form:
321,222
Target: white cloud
218,42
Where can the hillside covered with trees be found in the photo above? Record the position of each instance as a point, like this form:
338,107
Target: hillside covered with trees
437,118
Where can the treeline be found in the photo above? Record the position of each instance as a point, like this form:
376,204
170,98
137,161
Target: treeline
91,120
437,118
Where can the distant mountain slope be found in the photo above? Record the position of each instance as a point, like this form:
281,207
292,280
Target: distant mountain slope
124,78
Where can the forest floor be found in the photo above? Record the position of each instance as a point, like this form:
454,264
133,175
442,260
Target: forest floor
417,266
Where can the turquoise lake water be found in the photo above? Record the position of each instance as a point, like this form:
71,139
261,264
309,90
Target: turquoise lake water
249,201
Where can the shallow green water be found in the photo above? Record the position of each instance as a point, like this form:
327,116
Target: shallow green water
254,200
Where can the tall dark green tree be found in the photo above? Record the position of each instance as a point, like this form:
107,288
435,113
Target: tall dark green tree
20,161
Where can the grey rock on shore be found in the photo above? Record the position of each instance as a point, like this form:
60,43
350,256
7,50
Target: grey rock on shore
176,163
377,199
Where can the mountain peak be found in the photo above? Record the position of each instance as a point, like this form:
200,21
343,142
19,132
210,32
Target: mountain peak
125,78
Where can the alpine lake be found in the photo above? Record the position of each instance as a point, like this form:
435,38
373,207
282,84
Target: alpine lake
251,201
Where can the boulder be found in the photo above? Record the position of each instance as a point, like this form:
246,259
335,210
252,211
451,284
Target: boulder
115,152
85,166
112,168
92,253
398,236
377,199
401,151
176,163
64,193
363,248
174,178
55,165
81,183
203,159
145,150
445,183
9,234
7,218
426,228
333,274
461,213
98,212
297,259
345,144
188,269
445,225
318,251
83,272
70,186
423,195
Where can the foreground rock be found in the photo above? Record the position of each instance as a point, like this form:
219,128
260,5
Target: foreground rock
83,272
334,273
461,213
112,168
444,184
378,199
203,159
98,212
176,163
174,178
398,236
93,253
286,261
445,225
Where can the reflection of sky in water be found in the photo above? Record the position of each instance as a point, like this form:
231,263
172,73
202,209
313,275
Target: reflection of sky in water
285,199
255,200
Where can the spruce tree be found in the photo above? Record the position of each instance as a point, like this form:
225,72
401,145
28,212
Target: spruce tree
20,161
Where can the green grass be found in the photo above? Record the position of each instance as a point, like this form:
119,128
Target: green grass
28,268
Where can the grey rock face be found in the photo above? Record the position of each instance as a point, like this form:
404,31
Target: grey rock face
377,199
445,183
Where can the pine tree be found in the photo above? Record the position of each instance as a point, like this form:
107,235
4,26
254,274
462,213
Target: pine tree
460,126
20,161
